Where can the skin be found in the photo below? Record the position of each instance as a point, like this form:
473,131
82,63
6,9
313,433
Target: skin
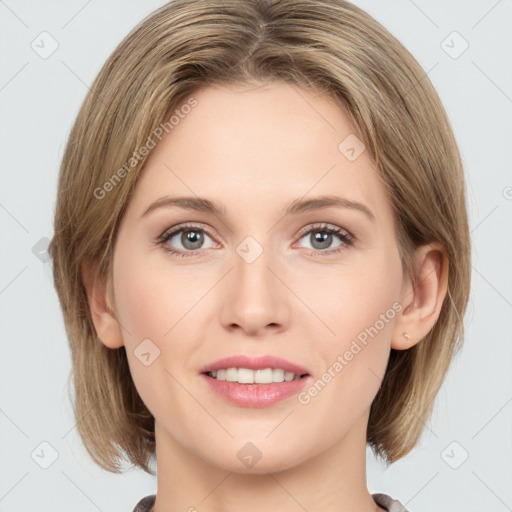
255,149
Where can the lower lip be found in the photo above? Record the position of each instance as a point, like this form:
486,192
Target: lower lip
255,395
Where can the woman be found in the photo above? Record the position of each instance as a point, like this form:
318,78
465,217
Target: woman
262,254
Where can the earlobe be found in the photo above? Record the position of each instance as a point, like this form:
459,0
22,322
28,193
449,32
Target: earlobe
422,299
103,317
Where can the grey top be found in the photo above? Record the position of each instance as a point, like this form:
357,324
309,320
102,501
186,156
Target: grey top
391,505
383,500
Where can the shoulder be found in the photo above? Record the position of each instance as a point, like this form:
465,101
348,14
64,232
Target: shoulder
145,504
387,502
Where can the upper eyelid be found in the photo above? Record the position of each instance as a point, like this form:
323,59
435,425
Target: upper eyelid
323,226
183,227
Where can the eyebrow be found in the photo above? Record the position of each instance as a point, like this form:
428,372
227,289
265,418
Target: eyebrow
298,206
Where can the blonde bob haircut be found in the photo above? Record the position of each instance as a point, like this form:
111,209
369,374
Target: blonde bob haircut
322,45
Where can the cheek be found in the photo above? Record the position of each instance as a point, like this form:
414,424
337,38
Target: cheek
158,309
152,313
354,299
144,307
151,300
358,307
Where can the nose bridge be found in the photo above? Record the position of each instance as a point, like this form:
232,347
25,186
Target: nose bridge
255,297
253,279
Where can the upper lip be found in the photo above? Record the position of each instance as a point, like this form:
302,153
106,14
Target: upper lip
255,363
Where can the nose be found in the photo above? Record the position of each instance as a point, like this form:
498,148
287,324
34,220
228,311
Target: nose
255,298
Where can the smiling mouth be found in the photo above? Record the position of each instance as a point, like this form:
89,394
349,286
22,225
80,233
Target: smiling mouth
248,376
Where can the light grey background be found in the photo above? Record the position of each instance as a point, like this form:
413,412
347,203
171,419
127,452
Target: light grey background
39,98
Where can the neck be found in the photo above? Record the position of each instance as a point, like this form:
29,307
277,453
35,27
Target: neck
333,481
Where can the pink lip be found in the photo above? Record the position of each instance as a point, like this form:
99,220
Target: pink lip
255,395
254,363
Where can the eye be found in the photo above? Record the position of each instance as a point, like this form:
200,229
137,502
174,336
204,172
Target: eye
191,238
321,237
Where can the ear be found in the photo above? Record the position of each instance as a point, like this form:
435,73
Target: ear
422,297
99,298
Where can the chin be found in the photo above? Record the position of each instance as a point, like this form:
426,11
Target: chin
255,458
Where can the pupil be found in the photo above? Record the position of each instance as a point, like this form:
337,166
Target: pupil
193,237
324,239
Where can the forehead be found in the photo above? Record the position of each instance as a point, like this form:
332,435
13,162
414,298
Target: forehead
261,145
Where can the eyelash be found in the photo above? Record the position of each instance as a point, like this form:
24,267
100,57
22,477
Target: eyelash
346,238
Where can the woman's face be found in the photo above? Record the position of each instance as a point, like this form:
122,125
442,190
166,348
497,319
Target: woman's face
277,272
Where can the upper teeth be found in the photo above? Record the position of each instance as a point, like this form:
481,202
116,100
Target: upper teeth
248,376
